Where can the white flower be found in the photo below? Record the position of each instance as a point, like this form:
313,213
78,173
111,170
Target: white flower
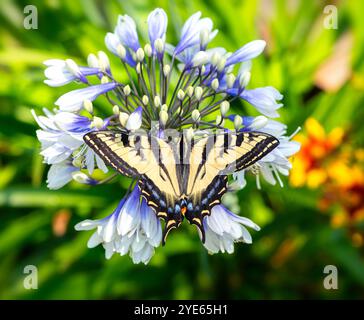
223,228
60,174
60,72
73,101
61,134
135,119
276,162
132,228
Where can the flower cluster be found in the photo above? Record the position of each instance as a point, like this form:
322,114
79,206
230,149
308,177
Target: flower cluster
189,85
336,169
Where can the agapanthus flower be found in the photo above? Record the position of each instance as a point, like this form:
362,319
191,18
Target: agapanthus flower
186,87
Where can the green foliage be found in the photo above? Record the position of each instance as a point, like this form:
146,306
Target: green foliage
297,45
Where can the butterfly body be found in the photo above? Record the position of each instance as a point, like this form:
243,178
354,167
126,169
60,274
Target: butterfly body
180,178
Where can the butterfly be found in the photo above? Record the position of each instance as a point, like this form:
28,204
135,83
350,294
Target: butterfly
180,177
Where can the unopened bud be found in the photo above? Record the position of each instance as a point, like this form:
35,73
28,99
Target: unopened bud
215,84
200,58
221,64
104,80
189,91
180,94
244,79
164,108
138,68
159,45
80,177
115,110
140,54
238,121
198,93
224,107
163,117
215,58
127,90
92,61
166,70
97,122
195,115
230,80
121,51
148,50
87,104
123,118
145,100
103,61
157,101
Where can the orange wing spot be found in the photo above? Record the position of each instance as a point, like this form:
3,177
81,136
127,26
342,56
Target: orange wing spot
183,210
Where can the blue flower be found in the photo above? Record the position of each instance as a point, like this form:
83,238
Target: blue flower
59,72
157,26
223,228
127,32
73,101
191,30
61,134
60,174
114,44
132,228
246,52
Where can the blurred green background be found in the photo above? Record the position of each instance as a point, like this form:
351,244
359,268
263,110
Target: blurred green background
314,221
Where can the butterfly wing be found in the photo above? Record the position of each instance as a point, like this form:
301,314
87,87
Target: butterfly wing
138,155
215,156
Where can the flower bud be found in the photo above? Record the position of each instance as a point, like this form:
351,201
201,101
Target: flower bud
180,94
195,115
115,109
121,51
126,90
87,104
140,54
103,61
200,58
104,80
203,69
81,177
215,84
78,161
138,68
145,100
189,91
148,50
215,58
164,107
92,61
123,118
220,120
224,107
97,122
238,121
166,70
230,79
244,79
159,45
221,64
198,93
163,117
157,101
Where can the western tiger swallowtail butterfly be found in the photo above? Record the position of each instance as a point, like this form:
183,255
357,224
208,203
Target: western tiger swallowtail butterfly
180,177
